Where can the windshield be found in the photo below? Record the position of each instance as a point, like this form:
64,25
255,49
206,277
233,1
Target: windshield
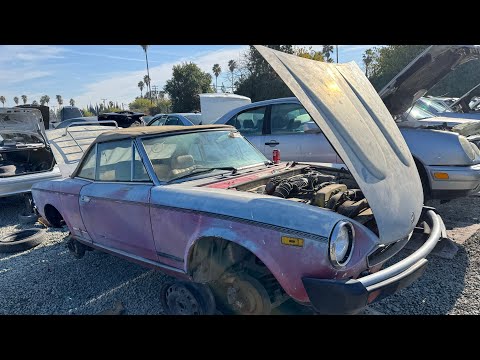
417,113
433,106
178,155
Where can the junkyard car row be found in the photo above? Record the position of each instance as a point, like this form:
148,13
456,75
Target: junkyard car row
243,234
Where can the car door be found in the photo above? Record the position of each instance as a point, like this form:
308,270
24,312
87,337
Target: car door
250,123
115,207
291,130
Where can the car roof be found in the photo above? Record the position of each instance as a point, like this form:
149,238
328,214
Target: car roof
128,133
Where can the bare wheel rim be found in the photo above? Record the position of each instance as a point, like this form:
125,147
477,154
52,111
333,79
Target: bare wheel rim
181,301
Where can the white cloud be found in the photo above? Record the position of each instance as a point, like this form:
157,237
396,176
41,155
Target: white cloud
29,53
122,87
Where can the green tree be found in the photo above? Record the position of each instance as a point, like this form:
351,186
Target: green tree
111,104
47,99
24,99
216,71
232,66
43,100
309,54
259,81
2,100
141,86
367,58
59,100
87,112
15,99
34,102
162,106
327,52
72,102
145,49
187,82
140,105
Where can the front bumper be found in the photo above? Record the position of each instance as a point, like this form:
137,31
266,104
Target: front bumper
462,181
329,296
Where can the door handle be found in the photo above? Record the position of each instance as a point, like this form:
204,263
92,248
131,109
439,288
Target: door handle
272,143
84,198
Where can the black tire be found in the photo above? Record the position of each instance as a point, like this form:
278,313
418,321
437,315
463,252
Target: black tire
252,298
205,295
27,219
184,298
21,240
423,179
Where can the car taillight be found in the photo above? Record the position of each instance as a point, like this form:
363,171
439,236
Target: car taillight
276,156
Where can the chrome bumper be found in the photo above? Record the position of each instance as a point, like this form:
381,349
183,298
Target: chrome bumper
350,296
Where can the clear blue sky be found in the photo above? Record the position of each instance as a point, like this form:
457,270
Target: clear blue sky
89,73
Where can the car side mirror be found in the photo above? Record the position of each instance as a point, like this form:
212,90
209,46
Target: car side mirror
311,127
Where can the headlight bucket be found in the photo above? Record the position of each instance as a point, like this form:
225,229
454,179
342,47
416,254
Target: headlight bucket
341,243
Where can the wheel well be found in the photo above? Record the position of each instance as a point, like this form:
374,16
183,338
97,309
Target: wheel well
211,257
53,216
423,177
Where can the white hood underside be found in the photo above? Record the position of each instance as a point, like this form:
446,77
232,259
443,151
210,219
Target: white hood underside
352,116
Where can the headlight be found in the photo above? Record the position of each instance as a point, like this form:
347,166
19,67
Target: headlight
341,243
468,147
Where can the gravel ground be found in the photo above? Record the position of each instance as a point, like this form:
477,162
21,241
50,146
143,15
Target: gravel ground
49,280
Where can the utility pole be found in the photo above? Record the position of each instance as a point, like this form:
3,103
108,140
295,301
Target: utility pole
336,47
155,87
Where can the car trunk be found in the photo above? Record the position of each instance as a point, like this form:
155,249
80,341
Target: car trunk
23,148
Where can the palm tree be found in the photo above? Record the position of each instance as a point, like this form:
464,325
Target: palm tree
327,53
2,100
367,60
72,102
59,100
216,71
140,86
24,99
34,102
15,99
232,65
145,48
146,80
47,99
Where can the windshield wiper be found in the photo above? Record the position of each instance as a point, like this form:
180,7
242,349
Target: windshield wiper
201,170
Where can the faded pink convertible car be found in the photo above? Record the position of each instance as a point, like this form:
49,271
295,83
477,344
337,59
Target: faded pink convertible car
238,232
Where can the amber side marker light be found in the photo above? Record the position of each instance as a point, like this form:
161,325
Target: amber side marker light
287,240
440,175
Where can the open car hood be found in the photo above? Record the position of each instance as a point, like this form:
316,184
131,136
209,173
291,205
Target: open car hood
348,110
18,120
423,72
69,145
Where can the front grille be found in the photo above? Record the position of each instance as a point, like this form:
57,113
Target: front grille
383,253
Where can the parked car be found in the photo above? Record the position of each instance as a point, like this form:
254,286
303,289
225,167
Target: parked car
65,113
69,122
25,154
438,108
448,163
124,119
204,205
183,119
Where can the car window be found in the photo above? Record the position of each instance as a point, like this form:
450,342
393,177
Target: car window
87,170
139,171
195,119
173,120
249,122
289,119
114,161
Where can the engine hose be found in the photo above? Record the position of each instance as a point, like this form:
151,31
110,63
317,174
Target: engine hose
283,190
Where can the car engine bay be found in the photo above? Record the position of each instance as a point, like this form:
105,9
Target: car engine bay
332,190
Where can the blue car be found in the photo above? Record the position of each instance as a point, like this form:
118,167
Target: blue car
182,119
